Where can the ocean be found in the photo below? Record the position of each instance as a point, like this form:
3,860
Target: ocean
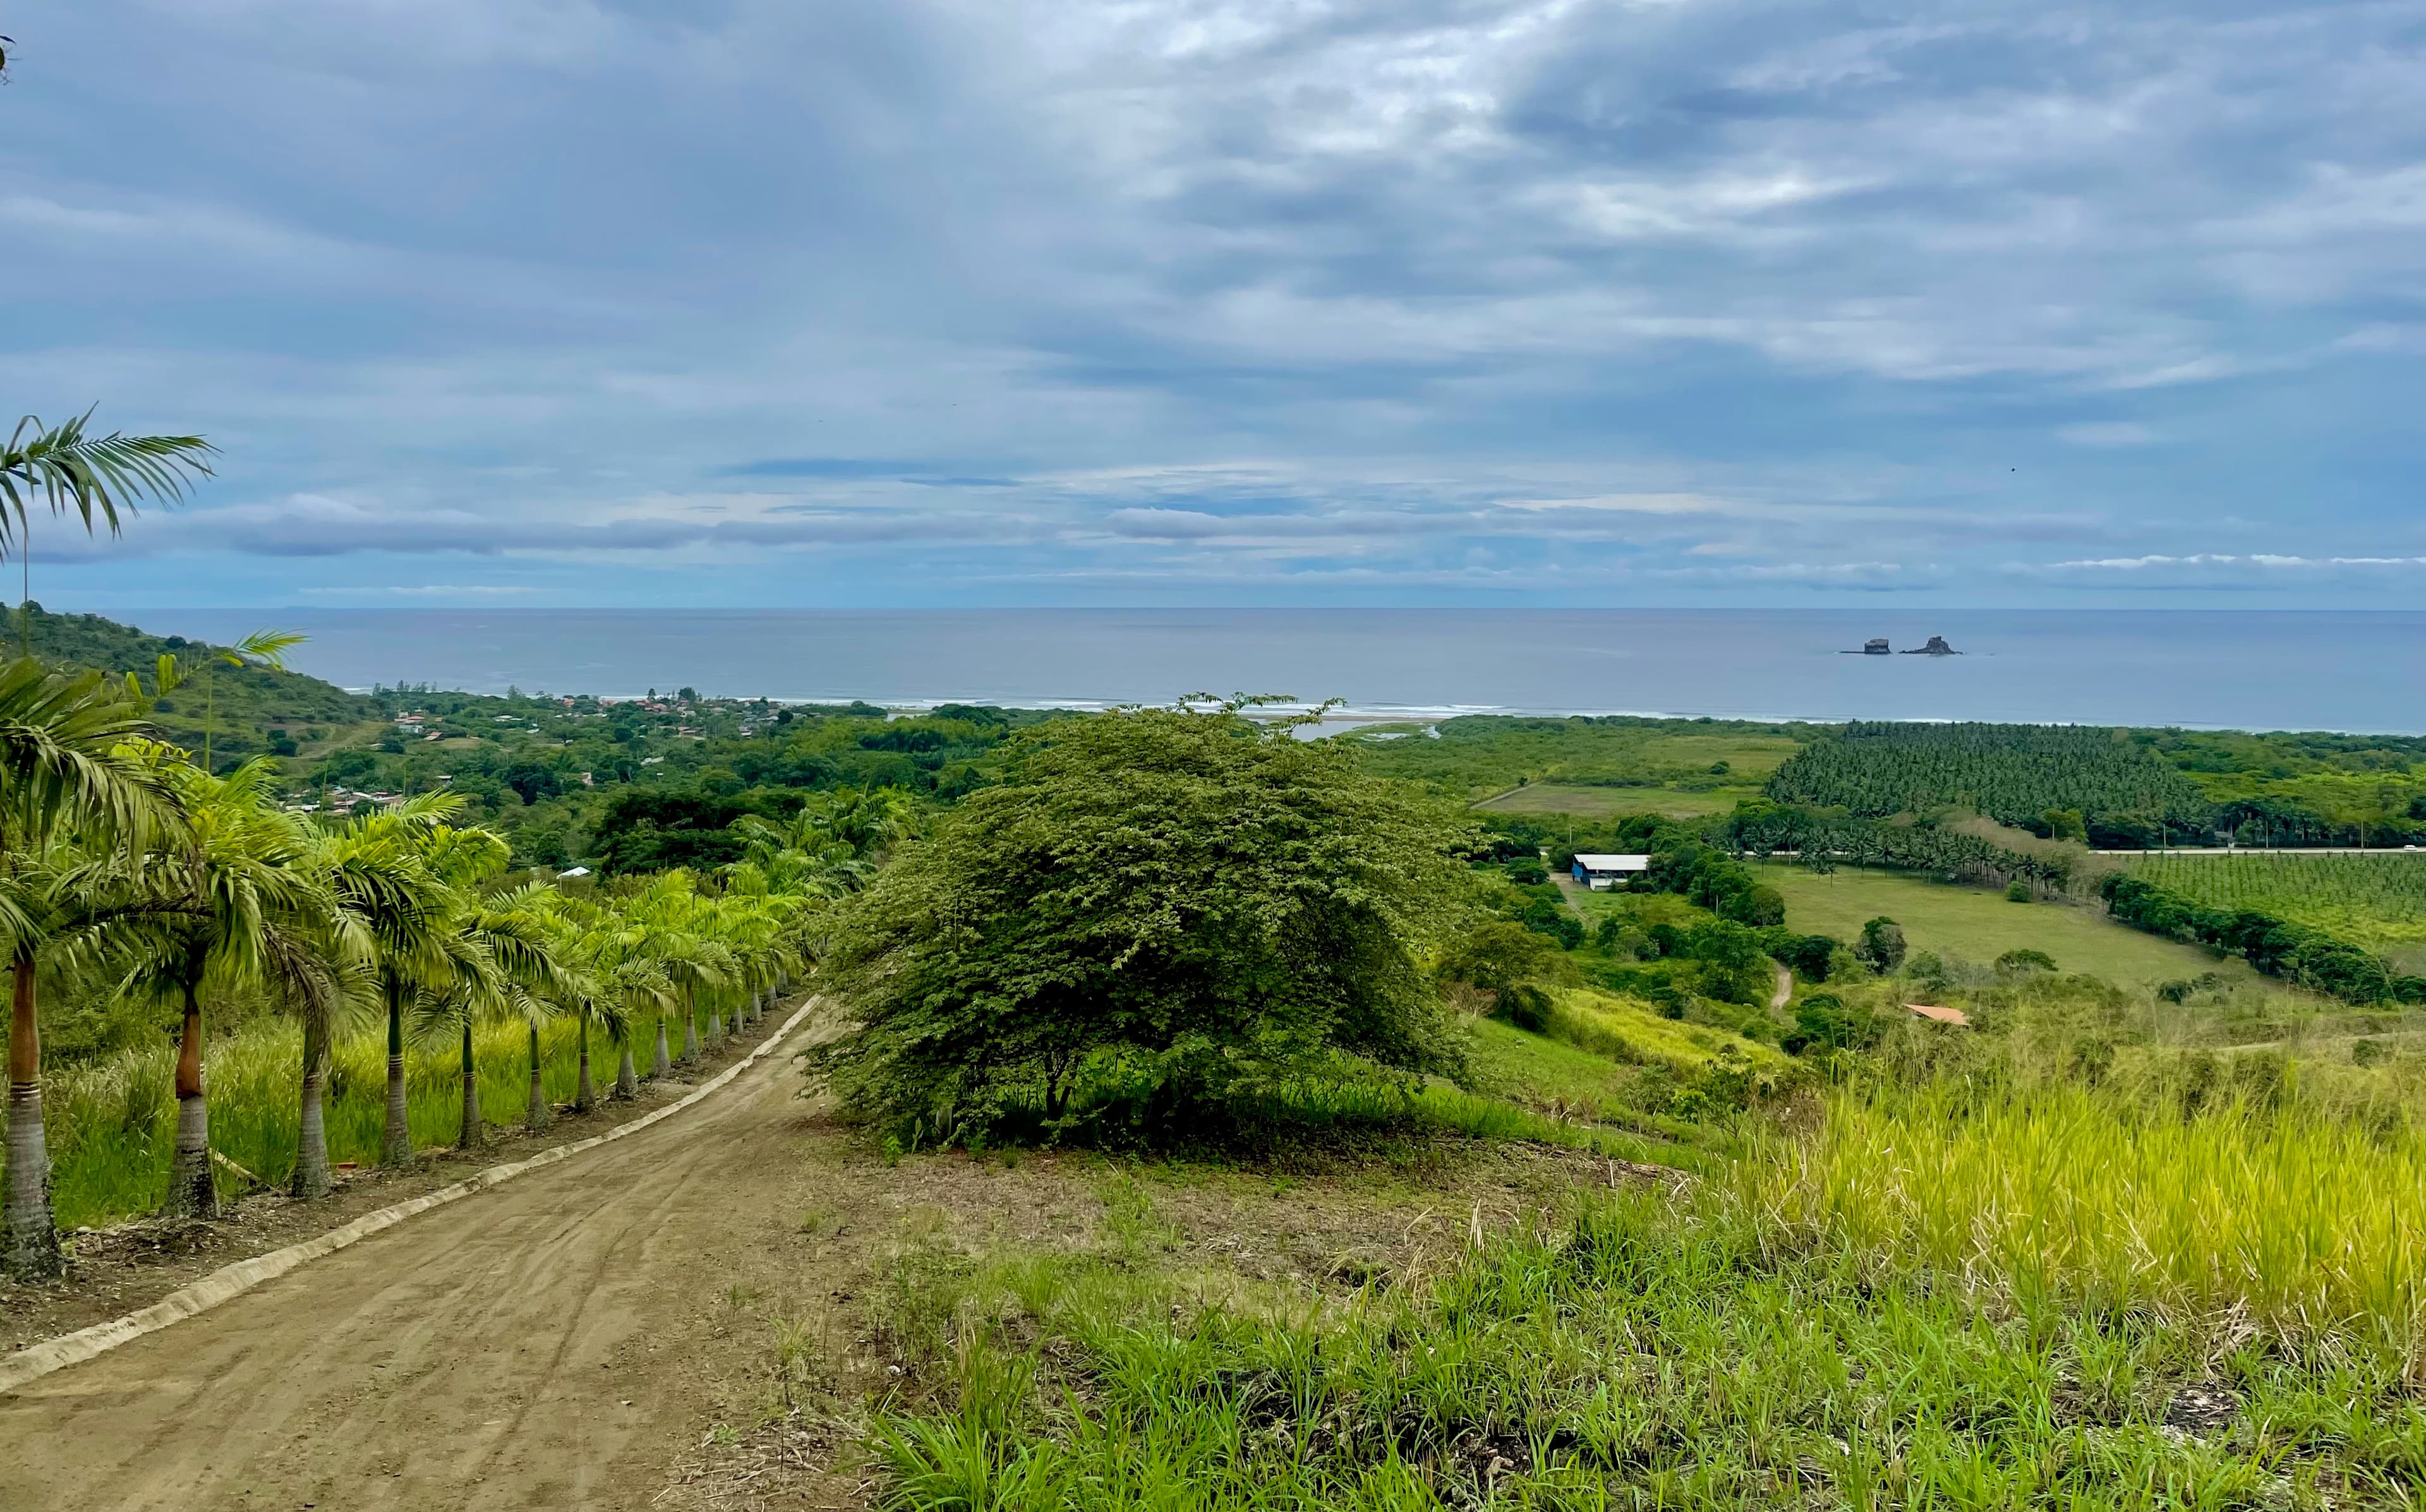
2219,669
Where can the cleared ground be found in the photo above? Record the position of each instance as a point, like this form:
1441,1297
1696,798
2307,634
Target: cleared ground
1611,802
1979,925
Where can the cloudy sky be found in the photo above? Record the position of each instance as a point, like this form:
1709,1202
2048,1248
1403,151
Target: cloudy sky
783,302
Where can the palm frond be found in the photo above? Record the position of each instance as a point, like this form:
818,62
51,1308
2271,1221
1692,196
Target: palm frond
67,468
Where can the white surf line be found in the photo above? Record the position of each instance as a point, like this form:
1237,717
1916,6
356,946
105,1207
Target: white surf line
35,1361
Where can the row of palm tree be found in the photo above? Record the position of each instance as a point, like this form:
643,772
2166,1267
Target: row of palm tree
126,867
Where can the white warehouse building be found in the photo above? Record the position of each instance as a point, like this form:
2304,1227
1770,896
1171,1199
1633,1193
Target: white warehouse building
1600,872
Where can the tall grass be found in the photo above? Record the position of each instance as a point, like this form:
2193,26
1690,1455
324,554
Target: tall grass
2305,1225
111,1124
1643,1356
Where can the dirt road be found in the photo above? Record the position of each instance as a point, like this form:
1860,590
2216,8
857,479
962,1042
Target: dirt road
535,1346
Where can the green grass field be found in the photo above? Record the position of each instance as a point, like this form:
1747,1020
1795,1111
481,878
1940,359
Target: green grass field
1979,926
1615,802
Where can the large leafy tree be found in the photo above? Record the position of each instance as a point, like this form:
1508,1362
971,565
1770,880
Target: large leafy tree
1187,903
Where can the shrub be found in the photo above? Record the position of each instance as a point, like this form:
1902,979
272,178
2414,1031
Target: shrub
1824,1021
1179,913
1810,954
1525,1006
1880,946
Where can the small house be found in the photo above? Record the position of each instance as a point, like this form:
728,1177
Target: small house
1600,873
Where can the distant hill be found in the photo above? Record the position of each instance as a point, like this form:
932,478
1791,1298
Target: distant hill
254,705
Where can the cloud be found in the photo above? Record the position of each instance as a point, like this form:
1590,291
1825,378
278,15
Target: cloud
2106,433
2272,561
427,590
909,301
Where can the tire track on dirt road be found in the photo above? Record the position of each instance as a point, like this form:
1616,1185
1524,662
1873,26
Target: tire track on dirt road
516,1349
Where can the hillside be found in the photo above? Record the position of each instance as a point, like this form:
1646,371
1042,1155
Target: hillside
245,705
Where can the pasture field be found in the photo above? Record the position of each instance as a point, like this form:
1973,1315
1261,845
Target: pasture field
1617,802
1978,924
1480,755
2377,900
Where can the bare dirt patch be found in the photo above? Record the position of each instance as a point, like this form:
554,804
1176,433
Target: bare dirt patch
782,1411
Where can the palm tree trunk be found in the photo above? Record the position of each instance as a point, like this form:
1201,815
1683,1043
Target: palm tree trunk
627,1076
691,1039
585,1095
540,1114
33,1249
312,1130
715,1027
396,1149
192,1193
665,1066
474,1136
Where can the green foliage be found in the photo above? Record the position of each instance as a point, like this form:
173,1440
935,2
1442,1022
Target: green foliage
1880,947
72,471
2378,901
2277,946
1485,753
113,1121
1156,914
2026,960
249,702
1525,1006
1496,955
2012,773
1811,957
1824,838
1823,1020
1640,1352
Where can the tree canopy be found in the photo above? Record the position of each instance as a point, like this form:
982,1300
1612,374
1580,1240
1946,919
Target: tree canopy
1160,910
